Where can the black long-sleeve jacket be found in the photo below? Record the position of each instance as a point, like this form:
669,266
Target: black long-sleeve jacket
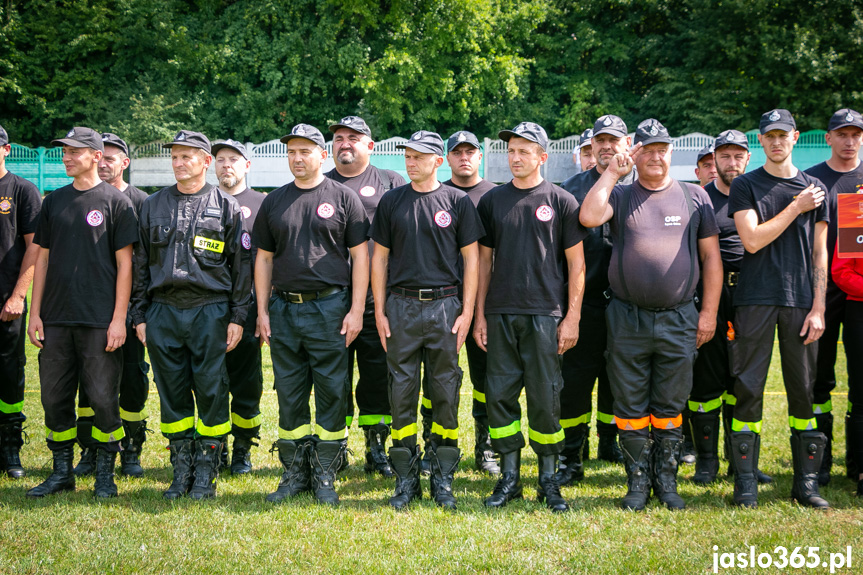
192,251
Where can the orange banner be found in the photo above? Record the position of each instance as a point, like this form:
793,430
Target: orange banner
850,226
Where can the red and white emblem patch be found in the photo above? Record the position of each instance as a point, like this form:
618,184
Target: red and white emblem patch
442,219
95,218
367,191
247,213
326,210
544,213
247,240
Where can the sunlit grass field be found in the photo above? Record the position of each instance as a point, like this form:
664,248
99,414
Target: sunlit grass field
239,532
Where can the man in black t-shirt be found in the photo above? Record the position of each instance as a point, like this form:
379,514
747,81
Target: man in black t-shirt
81,286
660,228
190,299
781,216
584,364
311,280
526,318
245,371
705,163
352,148
135,385
20,203
841,174
419,231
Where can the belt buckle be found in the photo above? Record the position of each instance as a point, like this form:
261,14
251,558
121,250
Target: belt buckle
731,280
299,297
429,298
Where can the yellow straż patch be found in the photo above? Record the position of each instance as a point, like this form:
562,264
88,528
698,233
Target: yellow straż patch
208,244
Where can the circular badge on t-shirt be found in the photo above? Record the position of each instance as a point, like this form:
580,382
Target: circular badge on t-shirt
544,213
442,219
326,210
247,213
95,218
247,239
367,191
5,206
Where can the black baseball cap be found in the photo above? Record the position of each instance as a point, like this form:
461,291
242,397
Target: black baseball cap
425,143
845,117
306,132
462,137
651,131
586,136
4,137
704,152
527,130
81,137
731,138
190,139
778,119
610,124
232,144
354,123
116,141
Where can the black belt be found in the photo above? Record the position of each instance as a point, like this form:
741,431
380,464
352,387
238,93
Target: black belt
659,309
426,294
294,297
732,278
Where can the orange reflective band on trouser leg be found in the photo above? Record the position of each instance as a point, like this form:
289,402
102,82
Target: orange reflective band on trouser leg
634,424
666,422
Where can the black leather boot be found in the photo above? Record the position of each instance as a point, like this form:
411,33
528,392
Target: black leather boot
807,450
104,486
444,462
483,452
636,447
548,490
508,487
666,447
376,455
297,477
223,454
62,478
705,437
343,463
182,458
132,442
325,458
241,457
727,416
87,464
425,465
406,465
11,441
825,426
571,467
744,453
207,453
608,449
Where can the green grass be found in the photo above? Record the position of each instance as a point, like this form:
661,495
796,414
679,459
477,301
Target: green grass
239,532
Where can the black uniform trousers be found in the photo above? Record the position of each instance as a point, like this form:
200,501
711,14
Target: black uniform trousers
754,326
134,388
371,395
825,371
853,340
712,377
422,333
305,339
187,348
650,359
73,354
522,354
246,377
13,336
582,366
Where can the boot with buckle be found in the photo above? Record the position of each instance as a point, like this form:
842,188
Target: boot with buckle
182,461
11,441
376,456
132,442
325,458
705,436
297,477
406,465
207,452
744,453
807,450
664,464
444,462
508,487
571,468
825,426
484,457
636,447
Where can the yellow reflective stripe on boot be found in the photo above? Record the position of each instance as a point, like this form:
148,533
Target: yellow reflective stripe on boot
298,433
545,438
802,424
86,412
705,407
753,426
11,407
479,396
52,435
103,437
826,407
178,426
605,418
366,420
214,431
443,432
133,415
407,431
507,431
246,423
426,403
575,421
729,399
331,435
